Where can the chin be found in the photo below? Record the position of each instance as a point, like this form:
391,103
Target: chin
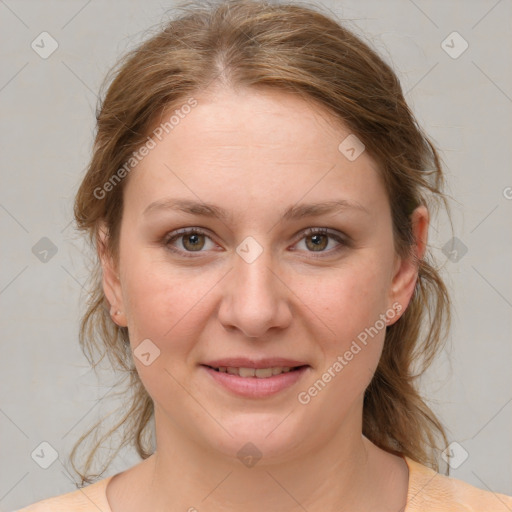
257,438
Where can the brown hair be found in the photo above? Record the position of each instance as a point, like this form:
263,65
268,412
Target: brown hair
300,50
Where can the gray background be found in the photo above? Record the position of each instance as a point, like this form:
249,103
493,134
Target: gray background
48,392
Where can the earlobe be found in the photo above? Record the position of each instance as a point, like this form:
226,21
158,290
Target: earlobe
110,278
406,269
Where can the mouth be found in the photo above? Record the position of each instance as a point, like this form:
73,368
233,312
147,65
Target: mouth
257,373
255,383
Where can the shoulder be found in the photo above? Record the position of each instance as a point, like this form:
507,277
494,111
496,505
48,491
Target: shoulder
429,490
87,499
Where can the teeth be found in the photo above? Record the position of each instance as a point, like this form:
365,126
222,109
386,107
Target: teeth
260,373
246,372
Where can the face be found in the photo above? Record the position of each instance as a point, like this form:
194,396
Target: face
254,282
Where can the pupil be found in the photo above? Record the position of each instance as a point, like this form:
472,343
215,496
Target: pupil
192,241
317,241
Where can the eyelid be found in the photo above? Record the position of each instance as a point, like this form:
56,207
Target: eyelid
342,240
175,235
340,237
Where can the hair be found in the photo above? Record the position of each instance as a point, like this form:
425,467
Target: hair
297,49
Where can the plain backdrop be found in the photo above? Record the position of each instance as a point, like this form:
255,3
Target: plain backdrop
464,102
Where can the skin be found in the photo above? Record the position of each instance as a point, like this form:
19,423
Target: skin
255,153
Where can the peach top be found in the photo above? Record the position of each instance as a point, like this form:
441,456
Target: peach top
428,491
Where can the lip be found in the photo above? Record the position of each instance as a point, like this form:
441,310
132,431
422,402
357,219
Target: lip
254,387
244,362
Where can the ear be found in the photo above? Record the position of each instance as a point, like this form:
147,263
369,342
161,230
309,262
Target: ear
110,280
405,273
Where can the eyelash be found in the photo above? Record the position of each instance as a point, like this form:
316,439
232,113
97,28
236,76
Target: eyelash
309,232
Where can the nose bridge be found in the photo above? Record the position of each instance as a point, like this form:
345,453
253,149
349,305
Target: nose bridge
254,280
253,300
255,270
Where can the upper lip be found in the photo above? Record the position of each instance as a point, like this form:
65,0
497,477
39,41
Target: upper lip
244,362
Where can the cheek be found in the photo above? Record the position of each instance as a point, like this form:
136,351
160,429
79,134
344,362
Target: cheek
350,305
170,307
350,300
158,296
165,306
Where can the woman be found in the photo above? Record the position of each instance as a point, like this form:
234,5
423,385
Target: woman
259,197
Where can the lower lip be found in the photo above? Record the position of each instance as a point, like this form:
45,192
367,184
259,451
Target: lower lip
254,387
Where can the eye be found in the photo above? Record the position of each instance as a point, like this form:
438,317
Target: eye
317,240
194,240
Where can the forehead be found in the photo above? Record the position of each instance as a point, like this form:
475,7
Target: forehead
261,148
262,119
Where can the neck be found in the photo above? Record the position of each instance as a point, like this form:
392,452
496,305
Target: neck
191,476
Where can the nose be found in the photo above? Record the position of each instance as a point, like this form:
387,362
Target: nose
254,298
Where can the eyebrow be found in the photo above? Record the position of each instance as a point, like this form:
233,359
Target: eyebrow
294,212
